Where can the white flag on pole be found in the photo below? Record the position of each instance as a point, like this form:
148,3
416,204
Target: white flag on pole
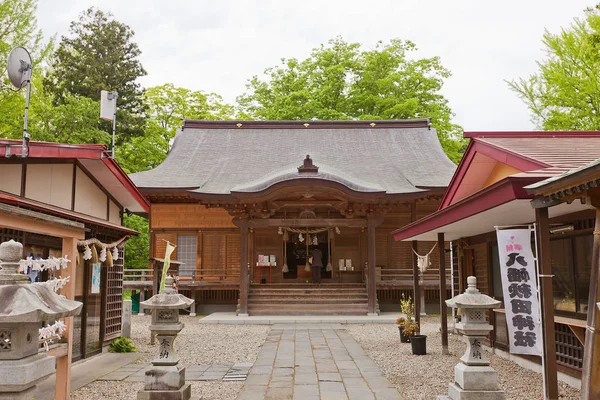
108,105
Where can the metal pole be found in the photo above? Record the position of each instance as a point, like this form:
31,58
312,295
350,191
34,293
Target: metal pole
114,127
24,152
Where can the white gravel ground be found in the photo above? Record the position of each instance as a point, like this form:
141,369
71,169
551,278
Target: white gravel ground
196,344
424,377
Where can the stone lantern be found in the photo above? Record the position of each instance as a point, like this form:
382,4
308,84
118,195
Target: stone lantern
165,380
22,310
473,376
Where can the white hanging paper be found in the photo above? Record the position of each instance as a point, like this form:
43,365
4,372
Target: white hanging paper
519,288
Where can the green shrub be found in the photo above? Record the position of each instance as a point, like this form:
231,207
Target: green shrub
122,345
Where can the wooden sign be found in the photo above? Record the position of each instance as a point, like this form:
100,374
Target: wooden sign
188,216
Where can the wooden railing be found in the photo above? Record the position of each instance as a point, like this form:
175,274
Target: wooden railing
141,275
405,276
137,275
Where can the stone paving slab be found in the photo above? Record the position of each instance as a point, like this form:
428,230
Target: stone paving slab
310,362
203,372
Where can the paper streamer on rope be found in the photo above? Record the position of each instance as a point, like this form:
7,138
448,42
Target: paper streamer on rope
115,253
87,253
52,263
48,333
102,257
423,262
55,284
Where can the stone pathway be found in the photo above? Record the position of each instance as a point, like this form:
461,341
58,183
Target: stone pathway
204,372
318,361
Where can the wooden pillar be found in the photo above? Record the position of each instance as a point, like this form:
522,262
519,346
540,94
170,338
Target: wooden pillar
443,312
372,223
547,303
415,268
63,364
590,379
243,225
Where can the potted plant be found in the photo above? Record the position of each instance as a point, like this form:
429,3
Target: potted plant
418,343
400,321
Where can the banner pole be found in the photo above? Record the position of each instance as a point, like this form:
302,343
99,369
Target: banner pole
533,228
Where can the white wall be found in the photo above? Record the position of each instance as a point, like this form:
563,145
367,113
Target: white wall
10,178
50,184
89,199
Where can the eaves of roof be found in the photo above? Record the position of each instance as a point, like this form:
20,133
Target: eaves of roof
503,191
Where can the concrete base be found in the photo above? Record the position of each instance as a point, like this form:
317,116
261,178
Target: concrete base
476,377
164,378
24,395
18,375
192,314
455,392
184,393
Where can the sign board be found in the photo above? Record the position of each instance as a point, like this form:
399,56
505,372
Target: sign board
96,278
520,291
108,105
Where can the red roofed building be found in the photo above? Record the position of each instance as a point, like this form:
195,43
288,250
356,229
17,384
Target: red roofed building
51,201
488,190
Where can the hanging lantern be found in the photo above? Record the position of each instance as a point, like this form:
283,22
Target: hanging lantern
115,253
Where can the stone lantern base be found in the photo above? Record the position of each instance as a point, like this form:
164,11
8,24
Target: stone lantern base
474,383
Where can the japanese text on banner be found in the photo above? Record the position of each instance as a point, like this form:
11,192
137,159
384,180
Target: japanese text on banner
519,288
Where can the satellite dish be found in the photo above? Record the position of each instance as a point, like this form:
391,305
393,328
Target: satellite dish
19,72
19,67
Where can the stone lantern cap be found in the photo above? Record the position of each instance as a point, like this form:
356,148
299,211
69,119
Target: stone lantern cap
472,297
167,299
34,303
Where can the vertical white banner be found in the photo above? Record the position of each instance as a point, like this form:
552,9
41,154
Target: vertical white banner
108,105
519,288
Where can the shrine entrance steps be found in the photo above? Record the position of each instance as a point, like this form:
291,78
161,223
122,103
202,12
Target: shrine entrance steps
308,299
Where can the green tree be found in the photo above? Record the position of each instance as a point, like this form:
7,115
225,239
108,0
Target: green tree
18,27
167,106
340,81
137,247
565,93
99,54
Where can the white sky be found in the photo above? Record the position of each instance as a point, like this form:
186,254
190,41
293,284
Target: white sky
216,45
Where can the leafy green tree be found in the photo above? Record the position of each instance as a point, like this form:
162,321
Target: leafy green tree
99,54
167,106
137,247
340,81
18,27
565,93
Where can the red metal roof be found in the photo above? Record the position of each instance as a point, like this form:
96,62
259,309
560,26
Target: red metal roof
539,155
130,198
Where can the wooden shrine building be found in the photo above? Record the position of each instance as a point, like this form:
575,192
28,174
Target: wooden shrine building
244,201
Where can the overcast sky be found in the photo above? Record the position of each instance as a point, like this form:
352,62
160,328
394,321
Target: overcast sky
215,46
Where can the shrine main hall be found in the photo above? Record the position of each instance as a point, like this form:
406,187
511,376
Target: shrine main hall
245,202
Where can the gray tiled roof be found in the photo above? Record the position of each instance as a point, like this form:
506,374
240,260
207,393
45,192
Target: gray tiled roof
218,161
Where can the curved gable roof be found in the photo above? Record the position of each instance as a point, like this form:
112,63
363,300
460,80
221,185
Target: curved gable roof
218,157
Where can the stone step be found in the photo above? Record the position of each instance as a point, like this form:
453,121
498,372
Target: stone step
307,312
307,301
307,291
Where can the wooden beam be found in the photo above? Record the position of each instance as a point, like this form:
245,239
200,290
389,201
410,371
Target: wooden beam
590,378
308,223
543,233
443,313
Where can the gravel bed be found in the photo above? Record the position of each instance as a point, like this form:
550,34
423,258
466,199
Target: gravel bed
424,377
203,343
115,390
196,344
